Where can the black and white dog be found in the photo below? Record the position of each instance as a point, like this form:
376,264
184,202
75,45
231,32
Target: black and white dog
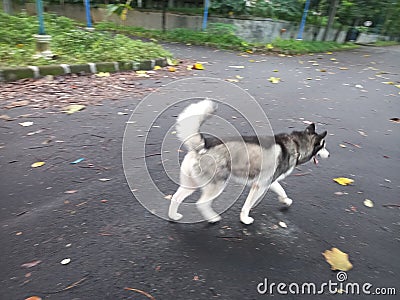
260,162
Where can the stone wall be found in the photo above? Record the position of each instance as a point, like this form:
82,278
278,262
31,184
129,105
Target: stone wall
252,30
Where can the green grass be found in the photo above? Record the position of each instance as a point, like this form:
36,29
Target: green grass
70,43
303,47
385,43
222,36
218,35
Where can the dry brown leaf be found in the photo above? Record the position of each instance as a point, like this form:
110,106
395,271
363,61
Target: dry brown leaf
17,104
337,259
31,264
33,298
140,292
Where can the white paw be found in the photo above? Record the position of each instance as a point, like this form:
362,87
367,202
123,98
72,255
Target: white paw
215,219
286,201
246,219
176,216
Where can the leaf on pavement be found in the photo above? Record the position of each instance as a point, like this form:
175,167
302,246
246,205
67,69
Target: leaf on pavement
18,104
337,259
368,203
140,292
65,261
232,80
168,197
70,192
33,298
31,264
343,180
157,68
171,69
388,82
103,74
38,164
282,224
198,66
362,133
26,124
104,179
6,118
274,79
73,108
77,161
236,67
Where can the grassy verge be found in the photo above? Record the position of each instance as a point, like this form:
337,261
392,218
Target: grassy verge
222,36
385,43
70,44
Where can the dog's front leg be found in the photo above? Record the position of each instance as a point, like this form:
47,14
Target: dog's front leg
278,189
255,193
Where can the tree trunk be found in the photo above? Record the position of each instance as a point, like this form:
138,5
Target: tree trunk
332,14
164,15
7,7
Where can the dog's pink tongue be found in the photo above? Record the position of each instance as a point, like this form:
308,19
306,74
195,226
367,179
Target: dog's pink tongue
315,160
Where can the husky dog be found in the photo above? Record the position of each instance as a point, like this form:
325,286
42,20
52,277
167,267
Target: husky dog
260,162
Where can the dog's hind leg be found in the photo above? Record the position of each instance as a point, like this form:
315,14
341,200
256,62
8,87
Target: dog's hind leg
209,193
278,189
176,200
255,193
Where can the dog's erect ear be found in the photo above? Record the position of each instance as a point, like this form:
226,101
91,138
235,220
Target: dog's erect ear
323,135
310,129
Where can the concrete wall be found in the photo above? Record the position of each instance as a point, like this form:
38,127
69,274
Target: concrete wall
252,30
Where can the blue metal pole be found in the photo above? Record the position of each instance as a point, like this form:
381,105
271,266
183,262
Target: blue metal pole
205,15
88,18
39,10
303,20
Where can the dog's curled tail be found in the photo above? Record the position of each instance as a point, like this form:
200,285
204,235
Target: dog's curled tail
189,122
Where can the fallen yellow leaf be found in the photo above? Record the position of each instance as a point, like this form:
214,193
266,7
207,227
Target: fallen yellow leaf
198,66
337,259
73,108
37,164
269,46
274,79
171,69
103,74
232,80
157,68
343,180
388,82
368,203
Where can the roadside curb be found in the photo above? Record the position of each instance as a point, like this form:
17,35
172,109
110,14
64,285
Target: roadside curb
16,73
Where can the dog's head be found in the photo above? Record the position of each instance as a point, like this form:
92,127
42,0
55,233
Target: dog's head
311,145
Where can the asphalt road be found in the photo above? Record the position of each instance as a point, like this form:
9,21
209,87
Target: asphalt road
114,243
